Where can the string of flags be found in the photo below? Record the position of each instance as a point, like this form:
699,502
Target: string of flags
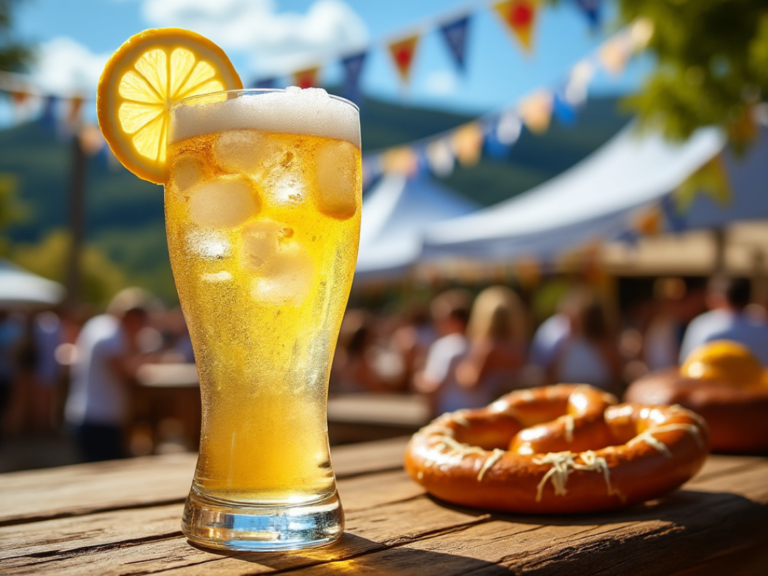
494,134
518,17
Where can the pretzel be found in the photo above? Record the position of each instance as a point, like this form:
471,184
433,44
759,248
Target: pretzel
737,415
557,449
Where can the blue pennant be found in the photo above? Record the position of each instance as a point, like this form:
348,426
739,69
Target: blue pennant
48,119
353,68
455,34
676,222
563,110
494,148
591,9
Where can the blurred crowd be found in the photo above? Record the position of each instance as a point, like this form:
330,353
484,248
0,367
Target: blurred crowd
73,371
463,351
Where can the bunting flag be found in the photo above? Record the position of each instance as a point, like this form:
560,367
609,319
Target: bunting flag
353,68
467,143
675,221
91,140
562,108
640,33
401,160
711,179
75,108
440,157
536,111
614,54
494,148
509,127
591,10
577,85
48,118
306,78
648,222
403,52
519,17
264,83
455,36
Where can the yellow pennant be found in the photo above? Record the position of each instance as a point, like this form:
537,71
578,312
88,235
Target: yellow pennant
615,54
519,17
536,111
648,223
75,107
403,52
306,78
468,143
401,160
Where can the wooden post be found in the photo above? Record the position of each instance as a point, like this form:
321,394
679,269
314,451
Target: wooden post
719,237
76,220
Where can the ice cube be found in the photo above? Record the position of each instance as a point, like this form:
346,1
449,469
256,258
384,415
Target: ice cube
287,277
222,276
187,171
223,203
260,241
338,178
208,245
246,152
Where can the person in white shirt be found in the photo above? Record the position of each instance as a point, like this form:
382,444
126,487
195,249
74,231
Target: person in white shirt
108,357
727,299
450,312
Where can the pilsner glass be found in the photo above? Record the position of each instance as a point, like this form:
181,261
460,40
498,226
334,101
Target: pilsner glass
263,220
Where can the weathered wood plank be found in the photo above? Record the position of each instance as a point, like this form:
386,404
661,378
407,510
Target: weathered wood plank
155,480
709,517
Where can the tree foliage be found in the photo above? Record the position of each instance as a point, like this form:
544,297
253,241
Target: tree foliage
13,54
712,65
101,278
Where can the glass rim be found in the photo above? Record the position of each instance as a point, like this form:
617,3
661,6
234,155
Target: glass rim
254,91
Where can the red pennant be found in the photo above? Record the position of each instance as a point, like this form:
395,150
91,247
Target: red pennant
306,78
403,52
519,17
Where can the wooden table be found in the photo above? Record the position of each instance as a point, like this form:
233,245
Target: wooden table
123,518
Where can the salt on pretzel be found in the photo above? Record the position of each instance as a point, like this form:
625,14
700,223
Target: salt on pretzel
557,449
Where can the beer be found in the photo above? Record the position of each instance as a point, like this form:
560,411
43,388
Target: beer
263,219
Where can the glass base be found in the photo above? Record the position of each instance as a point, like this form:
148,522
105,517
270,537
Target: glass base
225,525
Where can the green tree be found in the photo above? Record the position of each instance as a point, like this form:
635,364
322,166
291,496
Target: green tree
712,65
11,209
13,54
102,279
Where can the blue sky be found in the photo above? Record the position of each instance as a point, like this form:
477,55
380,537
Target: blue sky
265,36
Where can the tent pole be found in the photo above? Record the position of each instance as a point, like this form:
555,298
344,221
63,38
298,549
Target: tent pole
76,221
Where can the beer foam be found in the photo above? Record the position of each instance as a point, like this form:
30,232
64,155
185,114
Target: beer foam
292,111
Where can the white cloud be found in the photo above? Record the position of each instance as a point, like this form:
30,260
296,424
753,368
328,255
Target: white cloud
441,82
273,42
64,66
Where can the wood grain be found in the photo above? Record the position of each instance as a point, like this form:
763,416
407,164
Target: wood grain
392,526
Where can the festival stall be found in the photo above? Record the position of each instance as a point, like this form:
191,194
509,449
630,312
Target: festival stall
20,288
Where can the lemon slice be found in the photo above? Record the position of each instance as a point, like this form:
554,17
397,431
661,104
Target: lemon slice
147,75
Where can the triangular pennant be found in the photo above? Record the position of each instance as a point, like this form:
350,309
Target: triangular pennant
495,148
710,179
48,118
592,11
562,109
75,107
648,222
676,222
467,142
401,160
536,111
403,52
640,33
264,83
19,98
577,87
615,54
455,36
519,17
91,140
306,78
509,127
371,169
353,68
440,157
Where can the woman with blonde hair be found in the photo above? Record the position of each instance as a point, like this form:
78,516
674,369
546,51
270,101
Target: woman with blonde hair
497,333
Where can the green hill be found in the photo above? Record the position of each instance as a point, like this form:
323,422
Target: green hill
124,215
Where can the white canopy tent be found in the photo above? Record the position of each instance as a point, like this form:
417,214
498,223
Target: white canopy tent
395,214
20,288
594,199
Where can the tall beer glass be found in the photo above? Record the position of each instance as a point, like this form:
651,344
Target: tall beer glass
263,219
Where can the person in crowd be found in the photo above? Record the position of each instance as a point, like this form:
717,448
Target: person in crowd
47,332
353,364
411,341
497,335
727,319
107,359
11,335
590,353
450,311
